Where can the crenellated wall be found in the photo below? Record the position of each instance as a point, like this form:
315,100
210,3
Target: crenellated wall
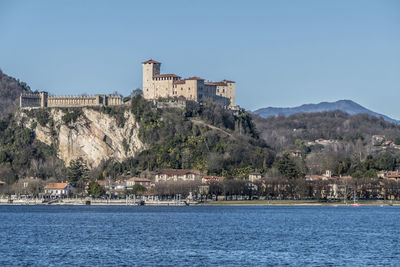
43,100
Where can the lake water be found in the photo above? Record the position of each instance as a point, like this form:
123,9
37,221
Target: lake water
198,236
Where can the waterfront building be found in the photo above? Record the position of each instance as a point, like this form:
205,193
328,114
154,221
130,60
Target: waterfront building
176,175
58,189
136,180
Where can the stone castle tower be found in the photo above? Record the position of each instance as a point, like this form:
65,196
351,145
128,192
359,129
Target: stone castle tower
150,69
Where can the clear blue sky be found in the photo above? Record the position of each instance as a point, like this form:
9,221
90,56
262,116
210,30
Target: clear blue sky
280,53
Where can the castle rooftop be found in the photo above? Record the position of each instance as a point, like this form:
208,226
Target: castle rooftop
194,78
151,61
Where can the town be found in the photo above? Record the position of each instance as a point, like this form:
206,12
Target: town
184,187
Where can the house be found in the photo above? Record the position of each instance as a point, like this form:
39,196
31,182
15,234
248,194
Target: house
255,176
2,184
377,140
58,189
296,153
389,143
393,175
209,179
175,175
141,181
316,178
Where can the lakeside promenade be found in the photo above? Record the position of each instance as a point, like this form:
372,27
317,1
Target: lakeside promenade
177,202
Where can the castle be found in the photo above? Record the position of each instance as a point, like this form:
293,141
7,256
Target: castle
157,85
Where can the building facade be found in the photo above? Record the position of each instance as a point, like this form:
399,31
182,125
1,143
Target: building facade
176,175
156,85
140,181
58,189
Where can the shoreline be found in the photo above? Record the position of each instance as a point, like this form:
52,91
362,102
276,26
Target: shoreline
265,203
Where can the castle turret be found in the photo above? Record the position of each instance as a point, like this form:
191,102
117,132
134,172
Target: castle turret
150,68
43,99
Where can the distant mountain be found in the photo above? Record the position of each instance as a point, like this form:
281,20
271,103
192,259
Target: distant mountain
347,106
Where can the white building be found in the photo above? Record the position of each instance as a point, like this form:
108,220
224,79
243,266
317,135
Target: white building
58,189
176,175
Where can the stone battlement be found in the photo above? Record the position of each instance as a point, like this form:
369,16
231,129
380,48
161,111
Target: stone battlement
43,100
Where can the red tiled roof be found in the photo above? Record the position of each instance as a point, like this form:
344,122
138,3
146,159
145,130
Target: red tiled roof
165,75
227,81
101,182
195,78
151,61
56,186
137,179
176,172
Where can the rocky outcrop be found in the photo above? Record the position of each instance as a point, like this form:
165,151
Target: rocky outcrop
94,136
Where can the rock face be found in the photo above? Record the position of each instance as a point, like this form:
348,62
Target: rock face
94,136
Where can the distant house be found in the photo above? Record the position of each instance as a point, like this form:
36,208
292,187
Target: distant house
377,140
209,179
255,176
2,184
296,153
392,175
389,143
141,181
58,189
324,142
176,175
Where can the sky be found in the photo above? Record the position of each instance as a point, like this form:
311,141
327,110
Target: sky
279,53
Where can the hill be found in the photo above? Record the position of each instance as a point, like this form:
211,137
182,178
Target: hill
10,90
347,106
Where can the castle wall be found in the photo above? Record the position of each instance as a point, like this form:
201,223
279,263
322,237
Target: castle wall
187,89
29,100
227,90
43,100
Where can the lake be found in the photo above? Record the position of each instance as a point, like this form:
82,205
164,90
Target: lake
198,236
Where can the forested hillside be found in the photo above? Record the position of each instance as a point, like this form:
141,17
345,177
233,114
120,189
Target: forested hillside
206,137
10,90
334,141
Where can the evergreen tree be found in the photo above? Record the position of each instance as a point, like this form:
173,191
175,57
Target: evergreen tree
288,168
95,190
77,173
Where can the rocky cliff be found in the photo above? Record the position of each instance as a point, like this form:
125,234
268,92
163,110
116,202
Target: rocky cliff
85,132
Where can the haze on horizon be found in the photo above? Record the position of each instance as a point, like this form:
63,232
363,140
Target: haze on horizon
279,54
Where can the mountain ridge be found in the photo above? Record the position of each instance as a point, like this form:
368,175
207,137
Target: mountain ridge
348,106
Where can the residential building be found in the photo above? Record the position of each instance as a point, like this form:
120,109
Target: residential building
255,176
176,175
58,189
210,179
136,180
